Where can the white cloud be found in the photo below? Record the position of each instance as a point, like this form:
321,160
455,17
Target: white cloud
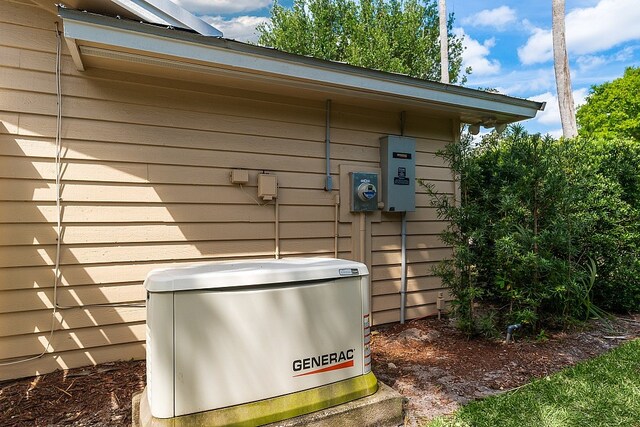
588,30
625,54
241,28
475,54
589,62
497,18
220,7
551,114
555,133
524,82
537,49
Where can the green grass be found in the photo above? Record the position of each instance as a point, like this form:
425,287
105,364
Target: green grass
604,391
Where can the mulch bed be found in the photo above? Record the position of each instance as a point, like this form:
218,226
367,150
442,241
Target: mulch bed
426,360
438,369
93,396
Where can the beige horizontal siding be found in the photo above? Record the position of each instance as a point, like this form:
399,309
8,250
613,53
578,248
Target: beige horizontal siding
387,287
95,213
29,234
38,299
20,166
78,338
145,174
72,359
38,321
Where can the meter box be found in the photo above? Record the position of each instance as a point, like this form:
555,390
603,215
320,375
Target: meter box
398,163
364,191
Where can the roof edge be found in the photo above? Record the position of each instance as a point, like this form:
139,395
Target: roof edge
243,56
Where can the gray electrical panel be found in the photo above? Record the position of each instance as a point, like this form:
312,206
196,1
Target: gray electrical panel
398,163
364,191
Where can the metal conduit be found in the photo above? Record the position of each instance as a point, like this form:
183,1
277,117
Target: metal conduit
403,274
403,238
328,184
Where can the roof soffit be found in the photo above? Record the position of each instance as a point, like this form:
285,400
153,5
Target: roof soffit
100,39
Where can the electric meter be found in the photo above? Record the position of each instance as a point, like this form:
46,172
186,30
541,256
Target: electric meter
364,191
367,191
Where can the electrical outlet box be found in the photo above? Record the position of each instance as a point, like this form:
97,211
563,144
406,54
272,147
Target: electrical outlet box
239,176
364,191
398,164
267,186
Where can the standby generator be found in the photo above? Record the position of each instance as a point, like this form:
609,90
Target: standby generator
257,341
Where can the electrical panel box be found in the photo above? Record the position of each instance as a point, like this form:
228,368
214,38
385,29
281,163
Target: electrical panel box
398,164
364,191
267,186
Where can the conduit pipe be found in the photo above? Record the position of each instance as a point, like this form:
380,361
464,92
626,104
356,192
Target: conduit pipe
328,183
277,228
403,244
403,273
362,239
336,213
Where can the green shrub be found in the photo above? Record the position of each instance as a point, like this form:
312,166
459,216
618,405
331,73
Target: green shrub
545,230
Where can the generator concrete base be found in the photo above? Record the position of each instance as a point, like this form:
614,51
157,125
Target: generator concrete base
383,408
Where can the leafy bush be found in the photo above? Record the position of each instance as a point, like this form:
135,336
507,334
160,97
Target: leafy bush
544,230
610,204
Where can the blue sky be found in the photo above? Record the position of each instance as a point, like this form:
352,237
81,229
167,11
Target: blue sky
508,43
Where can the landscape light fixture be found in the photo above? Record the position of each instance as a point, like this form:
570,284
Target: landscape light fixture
474,129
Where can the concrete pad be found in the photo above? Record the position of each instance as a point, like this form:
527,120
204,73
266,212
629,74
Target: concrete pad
383,408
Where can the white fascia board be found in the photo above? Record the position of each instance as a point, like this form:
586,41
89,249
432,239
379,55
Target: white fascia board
323,74
75,53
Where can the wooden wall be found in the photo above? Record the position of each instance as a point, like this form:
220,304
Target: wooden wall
145,183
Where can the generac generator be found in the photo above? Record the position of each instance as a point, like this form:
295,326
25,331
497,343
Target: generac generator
257,341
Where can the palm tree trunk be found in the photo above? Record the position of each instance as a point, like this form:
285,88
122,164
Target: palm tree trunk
444,42
561,67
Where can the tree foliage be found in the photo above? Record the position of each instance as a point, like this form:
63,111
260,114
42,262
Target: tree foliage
545,231
612,110
399,36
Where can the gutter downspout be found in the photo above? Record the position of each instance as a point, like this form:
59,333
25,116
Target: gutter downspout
328,184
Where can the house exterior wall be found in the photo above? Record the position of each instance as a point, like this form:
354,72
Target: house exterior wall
145,183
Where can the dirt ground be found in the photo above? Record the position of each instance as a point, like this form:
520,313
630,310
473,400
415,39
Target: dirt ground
436,368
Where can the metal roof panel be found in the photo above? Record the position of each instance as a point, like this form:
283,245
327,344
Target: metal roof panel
162,12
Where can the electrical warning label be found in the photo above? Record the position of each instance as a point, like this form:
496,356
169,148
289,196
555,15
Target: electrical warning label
401,179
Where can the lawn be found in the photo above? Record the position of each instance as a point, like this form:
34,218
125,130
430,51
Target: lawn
604,391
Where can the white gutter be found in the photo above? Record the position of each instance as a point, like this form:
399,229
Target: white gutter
258,61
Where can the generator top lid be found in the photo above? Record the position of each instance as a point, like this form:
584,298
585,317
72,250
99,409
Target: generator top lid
230,274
